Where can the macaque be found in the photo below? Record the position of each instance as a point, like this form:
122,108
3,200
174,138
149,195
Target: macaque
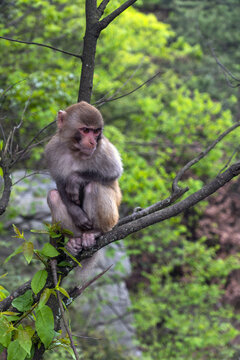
86,168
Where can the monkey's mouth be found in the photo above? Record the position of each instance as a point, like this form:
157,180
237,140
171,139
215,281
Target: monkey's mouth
83,150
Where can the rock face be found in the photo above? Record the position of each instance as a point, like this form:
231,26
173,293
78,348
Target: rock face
29,200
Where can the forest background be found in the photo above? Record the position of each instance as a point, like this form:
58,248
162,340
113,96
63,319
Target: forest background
182,59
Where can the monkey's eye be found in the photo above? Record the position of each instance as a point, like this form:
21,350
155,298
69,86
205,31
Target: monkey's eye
85,130
97,131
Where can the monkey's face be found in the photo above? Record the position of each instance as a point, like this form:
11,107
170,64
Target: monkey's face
85,140
80,128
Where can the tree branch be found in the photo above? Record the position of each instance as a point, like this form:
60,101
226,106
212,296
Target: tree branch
23,152
7,181
89,51
78,290
102,7
42,45
177,192
226,72
122,231
108,19
201,155
100,102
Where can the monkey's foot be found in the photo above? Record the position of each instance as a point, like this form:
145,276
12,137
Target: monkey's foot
88,240
74,245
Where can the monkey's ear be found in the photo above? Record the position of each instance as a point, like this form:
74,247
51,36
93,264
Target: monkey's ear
61,116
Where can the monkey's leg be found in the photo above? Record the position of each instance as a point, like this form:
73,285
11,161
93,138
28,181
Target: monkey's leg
60,214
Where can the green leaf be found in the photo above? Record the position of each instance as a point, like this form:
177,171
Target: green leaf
28,250
49,250
70,255
16,252
17,232
3,293
45,325
44,297
23,302
38,281
1,146
63,291
1,172
15,351
39,231
64,264
24,336
67,232
5,333
66,347
3,276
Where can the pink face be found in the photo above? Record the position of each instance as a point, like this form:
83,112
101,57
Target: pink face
86,139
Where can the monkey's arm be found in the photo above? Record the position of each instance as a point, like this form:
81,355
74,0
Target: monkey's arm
75,188
77,214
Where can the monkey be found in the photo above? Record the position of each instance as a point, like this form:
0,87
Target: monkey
85,166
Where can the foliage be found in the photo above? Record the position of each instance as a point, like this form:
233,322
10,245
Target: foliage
214,26
183,317
157,129
28,323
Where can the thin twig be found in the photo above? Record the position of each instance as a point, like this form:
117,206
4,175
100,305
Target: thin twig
229,160
177,192
55,280
78,290
29,175
6,148
104,99
30,143
40,142
43,45
20,123
3,133
225,71
201,155
10,87
132,91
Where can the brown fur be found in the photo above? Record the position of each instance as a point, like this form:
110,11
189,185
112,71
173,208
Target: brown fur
72,170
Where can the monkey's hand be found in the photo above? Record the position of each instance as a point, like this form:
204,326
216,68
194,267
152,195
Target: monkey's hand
79,217
74,188
74,245
88,240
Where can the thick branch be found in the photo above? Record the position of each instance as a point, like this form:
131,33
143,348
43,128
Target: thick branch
42,45
139,213
89,51
7,185
123,231
6,303
93,29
